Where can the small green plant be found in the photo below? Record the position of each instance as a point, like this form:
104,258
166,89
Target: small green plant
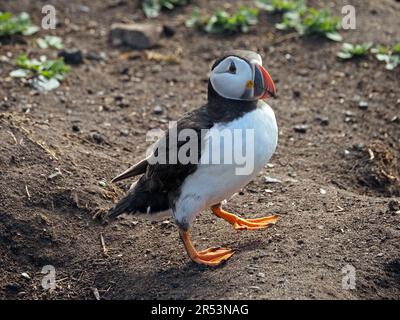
152,8
312,21
44,74
273,6
221,21
389,55
11,24
350,51
50,41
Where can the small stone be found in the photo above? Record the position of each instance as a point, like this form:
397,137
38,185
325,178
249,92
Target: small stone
75,128
358,146
255,288
91,55
168,31
271,180
394,206
158,110
324,121
395,119
301,128
55,174
123,103
380,254
26,275
363,105
135,35
322,191
124,132
296,94
83,8
97,137
261,274
71,56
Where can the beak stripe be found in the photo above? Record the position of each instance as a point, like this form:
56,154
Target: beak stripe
270,89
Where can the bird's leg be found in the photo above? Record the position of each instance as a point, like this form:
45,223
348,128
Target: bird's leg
209,257
244,224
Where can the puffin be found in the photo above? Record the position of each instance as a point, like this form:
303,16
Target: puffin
180,188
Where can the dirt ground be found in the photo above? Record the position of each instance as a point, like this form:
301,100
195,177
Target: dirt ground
94,125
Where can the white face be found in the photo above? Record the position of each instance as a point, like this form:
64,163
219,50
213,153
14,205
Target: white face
230,78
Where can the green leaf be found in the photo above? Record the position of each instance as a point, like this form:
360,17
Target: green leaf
19,73
221,21
46,73
344,55
334,36
30,30
11,24
152,8
50,41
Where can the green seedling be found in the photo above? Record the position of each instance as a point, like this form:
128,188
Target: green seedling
312,21
152,8
350,51
279,6
389,55
223,22
42,73
50,41
11,24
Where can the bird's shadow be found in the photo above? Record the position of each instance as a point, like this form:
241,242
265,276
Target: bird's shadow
188,281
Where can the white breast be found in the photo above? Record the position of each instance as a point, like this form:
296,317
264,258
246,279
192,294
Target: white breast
254,141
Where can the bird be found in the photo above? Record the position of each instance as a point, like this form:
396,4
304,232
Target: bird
238,84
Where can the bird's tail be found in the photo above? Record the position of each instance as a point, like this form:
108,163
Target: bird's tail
139,202
125,205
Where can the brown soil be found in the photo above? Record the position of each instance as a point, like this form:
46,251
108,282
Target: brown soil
83,131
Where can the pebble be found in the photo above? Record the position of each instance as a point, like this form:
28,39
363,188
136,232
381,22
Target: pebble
135,35
271,180
255,288
97,137
363,105
124,132
324,121
71,56
394,207
358,146
301,128
55,174
26,275
158,110
168,31
124,103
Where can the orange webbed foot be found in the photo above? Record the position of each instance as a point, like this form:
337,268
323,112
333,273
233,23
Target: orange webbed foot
245,224
210,257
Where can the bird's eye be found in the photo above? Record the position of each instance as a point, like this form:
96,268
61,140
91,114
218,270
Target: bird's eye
232,68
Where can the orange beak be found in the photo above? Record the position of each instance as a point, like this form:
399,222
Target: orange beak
269,85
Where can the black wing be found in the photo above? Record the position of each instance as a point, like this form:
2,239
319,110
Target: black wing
160,184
